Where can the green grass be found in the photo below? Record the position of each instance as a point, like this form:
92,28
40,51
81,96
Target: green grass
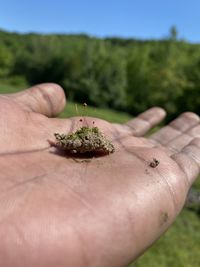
106,114
180,246
8,89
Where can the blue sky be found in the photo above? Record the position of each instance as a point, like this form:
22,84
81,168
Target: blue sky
137,18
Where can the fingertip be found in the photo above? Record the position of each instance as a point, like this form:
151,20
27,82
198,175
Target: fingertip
54,94
191,115
146,120
47,99
159,110
52,87
154,115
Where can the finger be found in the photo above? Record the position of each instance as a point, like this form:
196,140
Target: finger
146,120
176,128
47,99
178,143
189,160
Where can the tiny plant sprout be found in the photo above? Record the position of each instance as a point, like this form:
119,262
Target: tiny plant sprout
84,140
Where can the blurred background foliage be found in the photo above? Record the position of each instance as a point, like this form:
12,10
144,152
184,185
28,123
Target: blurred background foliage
123,74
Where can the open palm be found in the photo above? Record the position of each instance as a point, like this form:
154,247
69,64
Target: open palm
58,211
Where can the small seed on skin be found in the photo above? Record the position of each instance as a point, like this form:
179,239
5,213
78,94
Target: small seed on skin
163,218
154,163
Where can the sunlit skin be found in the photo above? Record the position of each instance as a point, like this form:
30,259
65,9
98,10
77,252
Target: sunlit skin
59,212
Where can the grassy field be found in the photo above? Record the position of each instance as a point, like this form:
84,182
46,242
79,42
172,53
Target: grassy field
106,114
180,246
70,109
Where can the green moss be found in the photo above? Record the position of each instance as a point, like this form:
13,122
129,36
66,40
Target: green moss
84,140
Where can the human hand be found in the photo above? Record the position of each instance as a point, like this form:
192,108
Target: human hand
56,211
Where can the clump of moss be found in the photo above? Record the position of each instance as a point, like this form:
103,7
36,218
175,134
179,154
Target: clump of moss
84,140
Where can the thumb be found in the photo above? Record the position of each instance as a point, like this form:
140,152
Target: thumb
47,99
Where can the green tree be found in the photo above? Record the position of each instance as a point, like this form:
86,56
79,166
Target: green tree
173,33
6,61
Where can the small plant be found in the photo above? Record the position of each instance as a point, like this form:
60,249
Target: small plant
84,140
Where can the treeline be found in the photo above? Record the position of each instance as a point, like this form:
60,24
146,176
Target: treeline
127,75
